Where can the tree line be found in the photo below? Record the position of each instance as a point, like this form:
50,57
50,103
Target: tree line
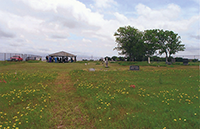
153,58
137,45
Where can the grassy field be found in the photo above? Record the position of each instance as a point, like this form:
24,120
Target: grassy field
49,95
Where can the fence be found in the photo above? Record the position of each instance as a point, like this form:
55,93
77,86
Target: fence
6,56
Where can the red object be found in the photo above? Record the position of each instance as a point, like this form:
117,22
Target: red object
16,58
4,81
132,86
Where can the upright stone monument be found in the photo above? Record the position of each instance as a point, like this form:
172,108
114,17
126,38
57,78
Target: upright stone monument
149,60
133,67
107,62
185,61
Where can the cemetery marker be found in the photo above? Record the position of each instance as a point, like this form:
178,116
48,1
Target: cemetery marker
133,67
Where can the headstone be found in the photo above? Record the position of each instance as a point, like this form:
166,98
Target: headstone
169,63
91,69
106,62
134,67
185,61
149,60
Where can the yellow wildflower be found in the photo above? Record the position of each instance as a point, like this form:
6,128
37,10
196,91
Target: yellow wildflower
179,119
184,119
175,120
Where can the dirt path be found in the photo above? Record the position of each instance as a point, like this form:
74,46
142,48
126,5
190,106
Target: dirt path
66,110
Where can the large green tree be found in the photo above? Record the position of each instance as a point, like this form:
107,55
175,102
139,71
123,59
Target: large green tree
130,42
150,42
137,44
169,43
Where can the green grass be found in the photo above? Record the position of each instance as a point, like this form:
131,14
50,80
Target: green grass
50,95
33,61
24,97
5,63
164,98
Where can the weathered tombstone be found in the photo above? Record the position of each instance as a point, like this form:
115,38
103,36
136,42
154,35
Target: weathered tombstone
185,61
106,62
149,60
92,69
133,67
169,63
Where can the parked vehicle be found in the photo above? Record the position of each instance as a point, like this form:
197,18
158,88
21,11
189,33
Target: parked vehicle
8,59
30,58
16,58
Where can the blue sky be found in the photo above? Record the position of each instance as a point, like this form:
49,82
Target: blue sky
86,27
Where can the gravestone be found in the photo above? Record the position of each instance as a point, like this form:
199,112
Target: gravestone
92,69
169,63
106,62
185,61
133,67
149,60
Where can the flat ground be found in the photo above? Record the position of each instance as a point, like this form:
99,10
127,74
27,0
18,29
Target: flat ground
50,95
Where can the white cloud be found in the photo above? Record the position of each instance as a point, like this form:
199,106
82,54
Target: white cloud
50,23
165,19
104,3
86,40
27,23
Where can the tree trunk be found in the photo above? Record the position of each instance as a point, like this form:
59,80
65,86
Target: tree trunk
166,58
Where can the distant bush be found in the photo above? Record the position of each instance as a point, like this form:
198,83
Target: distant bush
195,60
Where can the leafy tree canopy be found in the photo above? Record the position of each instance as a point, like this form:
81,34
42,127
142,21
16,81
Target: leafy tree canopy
136,44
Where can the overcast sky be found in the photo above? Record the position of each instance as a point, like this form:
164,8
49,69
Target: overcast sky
86,27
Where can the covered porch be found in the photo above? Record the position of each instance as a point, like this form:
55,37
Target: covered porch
61,57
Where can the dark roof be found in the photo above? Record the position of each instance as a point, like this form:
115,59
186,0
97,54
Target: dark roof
62,53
